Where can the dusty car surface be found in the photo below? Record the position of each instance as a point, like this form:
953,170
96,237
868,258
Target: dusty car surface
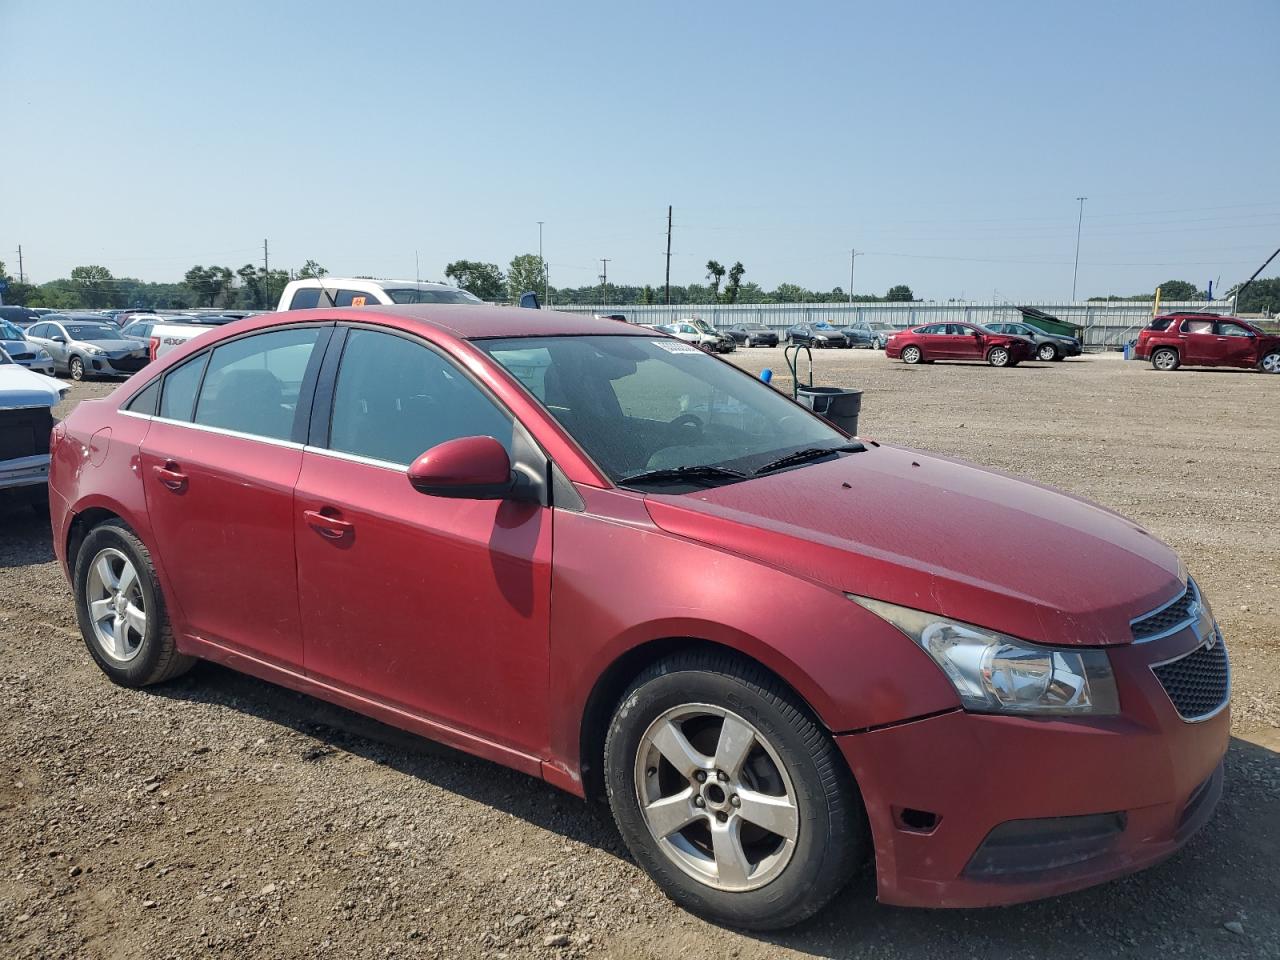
479,525
27,400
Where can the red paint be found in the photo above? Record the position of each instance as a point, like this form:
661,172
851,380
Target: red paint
1202,340
487,624
464,462
958,341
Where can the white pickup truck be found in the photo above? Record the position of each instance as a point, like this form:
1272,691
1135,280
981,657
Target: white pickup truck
27,400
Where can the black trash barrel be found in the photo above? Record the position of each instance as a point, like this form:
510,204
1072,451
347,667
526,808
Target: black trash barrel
834,404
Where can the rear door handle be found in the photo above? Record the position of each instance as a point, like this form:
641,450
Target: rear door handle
171,476
329,527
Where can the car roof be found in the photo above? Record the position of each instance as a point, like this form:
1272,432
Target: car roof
474,322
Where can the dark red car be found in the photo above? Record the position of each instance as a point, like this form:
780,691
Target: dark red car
1207,340
958,341
480,525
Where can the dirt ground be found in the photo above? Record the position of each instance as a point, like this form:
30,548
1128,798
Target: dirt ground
219,815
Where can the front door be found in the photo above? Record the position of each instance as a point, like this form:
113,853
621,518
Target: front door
435,606
1236,345
219,464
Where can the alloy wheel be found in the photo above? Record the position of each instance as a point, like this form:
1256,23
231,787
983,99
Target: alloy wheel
1271,362
77,368
716,797
1047,352
1165,360
998,357
911,355
117,607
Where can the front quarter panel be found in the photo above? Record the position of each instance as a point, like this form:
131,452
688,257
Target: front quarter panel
619,583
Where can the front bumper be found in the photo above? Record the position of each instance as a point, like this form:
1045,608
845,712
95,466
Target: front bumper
115,366
24,471
38,366
936,789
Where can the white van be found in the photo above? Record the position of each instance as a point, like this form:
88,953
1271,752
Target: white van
359,292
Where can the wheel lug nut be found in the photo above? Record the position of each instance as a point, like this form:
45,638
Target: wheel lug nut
699,802
651,771
701,776
722,776
735,801
722,817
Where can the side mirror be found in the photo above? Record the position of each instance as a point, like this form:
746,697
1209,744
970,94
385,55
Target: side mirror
58,339
468,468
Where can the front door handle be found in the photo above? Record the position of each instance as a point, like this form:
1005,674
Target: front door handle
329,527
171,476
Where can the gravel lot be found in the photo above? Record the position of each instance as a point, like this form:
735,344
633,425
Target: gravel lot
222,815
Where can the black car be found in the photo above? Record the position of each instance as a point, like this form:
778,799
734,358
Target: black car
20,317
817,335
872,336
753,335
1049,346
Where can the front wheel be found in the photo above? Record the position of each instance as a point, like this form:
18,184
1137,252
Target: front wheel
998,357
1047,352
911,355
77,368
1165,360
730,795
1271,362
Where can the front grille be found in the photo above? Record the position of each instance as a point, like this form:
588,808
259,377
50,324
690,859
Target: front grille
1170,617
1020,851
1199,683
131,364
25,433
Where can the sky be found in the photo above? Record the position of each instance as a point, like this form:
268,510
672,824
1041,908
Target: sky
949,141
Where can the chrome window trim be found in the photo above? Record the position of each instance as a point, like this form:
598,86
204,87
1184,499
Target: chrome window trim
357,458
1215,637
1193,613
221,431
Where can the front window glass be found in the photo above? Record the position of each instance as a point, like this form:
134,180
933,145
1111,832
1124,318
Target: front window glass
395,399
92,331
1233,330
410,295
636,404
253,384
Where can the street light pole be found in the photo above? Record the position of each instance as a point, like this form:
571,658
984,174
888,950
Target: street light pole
853,255
1076,269
542,265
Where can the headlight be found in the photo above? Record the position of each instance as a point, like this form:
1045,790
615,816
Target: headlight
90,348
995,673
821,336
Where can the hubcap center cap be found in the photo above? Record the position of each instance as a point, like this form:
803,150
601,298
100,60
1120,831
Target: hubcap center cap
714,795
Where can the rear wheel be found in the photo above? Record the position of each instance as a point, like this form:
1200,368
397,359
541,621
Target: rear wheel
1165,359
998,357
1047,352
121,610
1271,362
911,355
730,795
77,368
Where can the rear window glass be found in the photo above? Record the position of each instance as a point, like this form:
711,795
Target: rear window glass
1159,323
411,295
305,299
145,400
253,384
178,397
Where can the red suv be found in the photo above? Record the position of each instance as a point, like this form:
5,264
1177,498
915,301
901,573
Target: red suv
958,341
1207,340
478,525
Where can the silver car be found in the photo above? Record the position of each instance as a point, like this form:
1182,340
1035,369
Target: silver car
87,346
14,342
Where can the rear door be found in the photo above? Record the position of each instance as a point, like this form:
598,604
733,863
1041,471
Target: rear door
436,606
1199,343
219,464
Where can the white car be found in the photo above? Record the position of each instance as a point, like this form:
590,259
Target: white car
699,333
360,291
27,400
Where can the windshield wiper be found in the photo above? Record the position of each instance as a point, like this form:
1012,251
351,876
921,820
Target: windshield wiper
807,454
703,473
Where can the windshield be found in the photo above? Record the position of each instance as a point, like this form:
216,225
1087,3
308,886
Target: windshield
701,325
636,404
410,295
92,331
823,326
9,332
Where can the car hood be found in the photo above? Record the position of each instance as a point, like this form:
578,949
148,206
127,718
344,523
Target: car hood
20,387
110,346
945,536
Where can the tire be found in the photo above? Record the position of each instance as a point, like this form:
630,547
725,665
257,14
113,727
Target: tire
911,354
1165,360
76,368
786,754
1271,362
998,357
1047,352
153,657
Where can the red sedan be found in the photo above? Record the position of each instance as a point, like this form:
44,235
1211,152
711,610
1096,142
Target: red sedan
479,525
958,341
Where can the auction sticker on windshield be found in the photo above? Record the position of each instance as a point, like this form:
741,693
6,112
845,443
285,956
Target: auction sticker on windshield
676,346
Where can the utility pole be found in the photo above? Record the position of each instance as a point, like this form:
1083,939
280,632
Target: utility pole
853,255
668,254
604,279
542,265
266,274
1076,269
22,278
